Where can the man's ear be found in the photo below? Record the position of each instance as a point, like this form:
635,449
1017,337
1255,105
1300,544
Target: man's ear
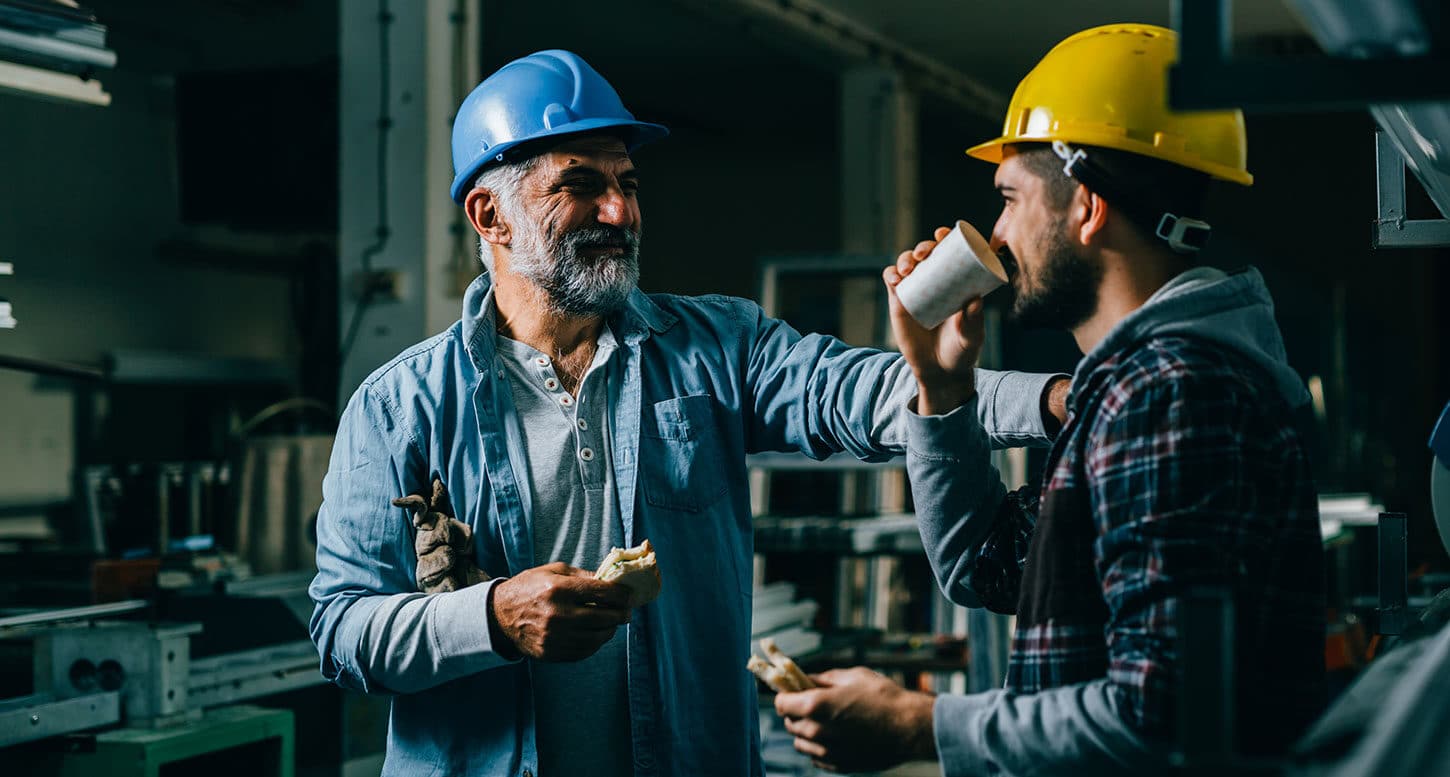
1090,214
483,214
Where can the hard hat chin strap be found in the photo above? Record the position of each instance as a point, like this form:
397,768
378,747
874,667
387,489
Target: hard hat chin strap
1182,234
1070,156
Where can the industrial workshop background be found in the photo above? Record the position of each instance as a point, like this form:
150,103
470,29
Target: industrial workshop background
216,218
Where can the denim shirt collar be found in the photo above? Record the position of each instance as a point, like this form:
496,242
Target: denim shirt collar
639,318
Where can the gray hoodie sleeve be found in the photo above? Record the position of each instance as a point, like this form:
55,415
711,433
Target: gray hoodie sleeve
956,489
1072,729
1075,729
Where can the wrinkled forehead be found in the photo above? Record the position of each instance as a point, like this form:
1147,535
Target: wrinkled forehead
602,150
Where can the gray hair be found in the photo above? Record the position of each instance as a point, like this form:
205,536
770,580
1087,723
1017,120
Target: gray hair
503,182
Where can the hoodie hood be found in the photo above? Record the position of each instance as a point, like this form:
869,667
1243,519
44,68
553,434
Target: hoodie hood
1231,309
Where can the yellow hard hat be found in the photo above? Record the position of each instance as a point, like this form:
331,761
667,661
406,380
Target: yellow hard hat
1107,87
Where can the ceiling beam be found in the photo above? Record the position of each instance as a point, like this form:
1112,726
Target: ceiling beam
855,42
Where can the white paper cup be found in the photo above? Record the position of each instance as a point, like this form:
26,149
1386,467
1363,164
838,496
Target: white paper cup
961,266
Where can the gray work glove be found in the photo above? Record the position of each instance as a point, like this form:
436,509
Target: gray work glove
444,544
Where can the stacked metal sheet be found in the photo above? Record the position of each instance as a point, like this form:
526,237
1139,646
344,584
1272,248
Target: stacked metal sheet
776,613
54,50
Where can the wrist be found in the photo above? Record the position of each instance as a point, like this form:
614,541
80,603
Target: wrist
919,714
941,394
1053,405
498,638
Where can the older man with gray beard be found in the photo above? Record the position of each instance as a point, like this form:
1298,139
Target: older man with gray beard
568,412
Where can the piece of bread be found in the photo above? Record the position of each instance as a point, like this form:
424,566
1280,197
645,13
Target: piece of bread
780,673
767,673
786,665
634,568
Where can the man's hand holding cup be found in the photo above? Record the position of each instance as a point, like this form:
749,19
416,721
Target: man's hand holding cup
937,314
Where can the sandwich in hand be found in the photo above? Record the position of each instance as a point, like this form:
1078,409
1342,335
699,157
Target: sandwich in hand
780,672
635,569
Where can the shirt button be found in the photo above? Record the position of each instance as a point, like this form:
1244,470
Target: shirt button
542,361
586,454
551,384
583,424
566,400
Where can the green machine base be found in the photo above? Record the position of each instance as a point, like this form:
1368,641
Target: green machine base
240,740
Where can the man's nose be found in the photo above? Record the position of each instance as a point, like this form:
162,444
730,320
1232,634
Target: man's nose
614,208
999,236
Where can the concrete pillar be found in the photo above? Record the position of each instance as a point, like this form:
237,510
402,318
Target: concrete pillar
405,66
879,182
878,218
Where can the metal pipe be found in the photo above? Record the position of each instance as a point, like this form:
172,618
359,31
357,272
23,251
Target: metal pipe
45,367
73,613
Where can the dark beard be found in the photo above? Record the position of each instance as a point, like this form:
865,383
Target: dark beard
593,286
1066,290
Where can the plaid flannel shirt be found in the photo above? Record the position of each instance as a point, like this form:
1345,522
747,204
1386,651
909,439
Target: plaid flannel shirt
1178,466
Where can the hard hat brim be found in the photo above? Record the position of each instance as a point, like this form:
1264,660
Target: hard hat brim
638,133
991,151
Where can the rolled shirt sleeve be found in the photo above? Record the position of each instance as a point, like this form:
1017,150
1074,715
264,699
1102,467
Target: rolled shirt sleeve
374,631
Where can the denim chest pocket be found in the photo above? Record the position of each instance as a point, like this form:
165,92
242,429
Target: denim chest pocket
680,454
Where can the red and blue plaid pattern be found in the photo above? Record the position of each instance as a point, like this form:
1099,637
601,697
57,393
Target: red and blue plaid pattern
1179,466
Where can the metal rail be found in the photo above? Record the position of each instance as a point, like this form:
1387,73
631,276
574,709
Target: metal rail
73,613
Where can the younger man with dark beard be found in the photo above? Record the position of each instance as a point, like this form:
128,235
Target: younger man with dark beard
568,412
1179,464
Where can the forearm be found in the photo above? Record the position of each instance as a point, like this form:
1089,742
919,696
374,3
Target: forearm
957,493
414,641
820,396
1077,729
1010,408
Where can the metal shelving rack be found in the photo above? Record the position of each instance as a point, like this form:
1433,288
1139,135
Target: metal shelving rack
871,532
7,318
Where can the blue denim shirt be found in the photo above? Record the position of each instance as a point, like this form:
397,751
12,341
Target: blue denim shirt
700,382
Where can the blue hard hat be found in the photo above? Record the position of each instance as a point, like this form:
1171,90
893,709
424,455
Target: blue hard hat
546,94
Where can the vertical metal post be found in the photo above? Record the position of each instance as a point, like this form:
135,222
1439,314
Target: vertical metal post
1203,31
988,638
1206,690
1394,591
163,509
1389,179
